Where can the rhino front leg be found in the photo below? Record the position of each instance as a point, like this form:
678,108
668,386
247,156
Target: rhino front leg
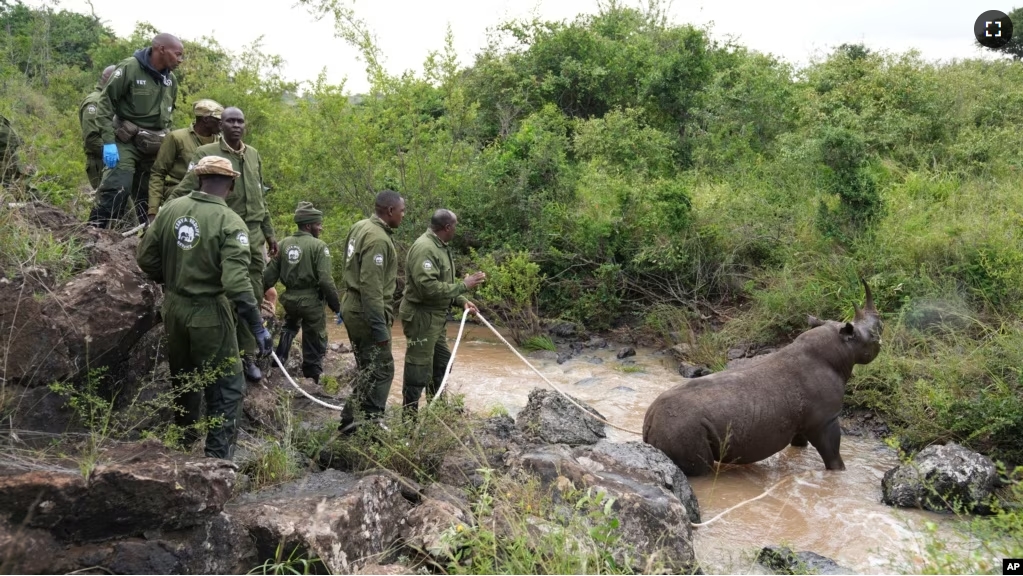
827,441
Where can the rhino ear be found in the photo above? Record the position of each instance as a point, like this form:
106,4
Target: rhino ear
848,331
814,321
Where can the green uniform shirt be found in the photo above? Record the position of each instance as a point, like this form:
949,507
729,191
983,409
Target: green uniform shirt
133,93
303,263
247,199
172,163
198,247
430,282
92,141
371,271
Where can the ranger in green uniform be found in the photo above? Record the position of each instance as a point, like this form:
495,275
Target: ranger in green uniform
430,291
92,141
177,150
370,274
10,162
198,248
141,93
249,202
303,266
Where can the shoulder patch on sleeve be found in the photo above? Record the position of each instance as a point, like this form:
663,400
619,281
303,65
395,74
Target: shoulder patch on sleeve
427,265
243,238
326,251
378,259
90,109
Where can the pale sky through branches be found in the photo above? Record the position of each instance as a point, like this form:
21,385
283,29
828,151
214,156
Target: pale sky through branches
406,30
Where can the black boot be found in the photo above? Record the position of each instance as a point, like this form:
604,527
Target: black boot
252,372
284,345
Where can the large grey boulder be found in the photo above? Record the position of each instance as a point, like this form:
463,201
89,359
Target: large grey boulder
942,478
645,462
134,489
653,524
54,332
549,418
345,520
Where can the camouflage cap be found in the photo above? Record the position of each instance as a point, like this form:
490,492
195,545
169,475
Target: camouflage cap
215,166
207,107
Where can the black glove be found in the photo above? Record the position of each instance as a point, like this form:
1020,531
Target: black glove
247,311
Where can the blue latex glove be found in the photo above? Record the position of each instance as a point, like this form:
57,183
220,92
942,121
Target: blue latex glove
264,341
340,320
110,155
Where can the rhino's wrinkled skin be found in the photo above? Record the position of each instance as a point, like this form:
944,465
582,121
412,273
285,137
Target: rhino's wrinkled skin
747,414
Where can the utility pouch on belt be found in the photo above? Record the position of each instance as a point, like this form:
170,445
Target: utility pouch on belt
124,130
149,141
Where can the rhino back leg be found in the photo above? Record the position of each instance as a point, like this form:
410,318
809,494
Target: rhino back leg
800,441
827,440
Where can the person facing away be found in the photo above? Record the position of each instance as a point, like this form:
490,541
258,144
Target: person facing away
431,290
370,275
303,265
177,150
134,113
248,200
198,248
92,140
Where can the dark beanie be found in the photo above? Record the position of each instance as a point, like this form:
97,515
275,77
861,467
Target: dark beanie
306,214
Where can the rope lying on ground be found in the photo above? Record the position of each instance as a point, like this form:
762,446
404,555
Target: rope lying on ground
299,388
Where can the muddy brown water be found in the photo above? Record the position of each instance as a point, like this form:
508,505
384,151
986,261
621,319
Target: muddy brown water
835,514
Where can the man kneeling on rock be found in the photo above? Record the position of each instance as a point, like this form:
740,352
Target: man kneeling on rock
198,248
303,265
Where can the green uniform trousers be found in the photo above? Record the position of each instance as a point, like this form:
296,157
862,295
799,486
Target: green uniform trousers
304,309
94,169
200,338
246,340
426,356
128,180
375,365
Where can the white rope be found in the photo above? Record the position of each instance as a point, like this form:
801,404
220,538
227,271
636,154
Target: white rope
299,388
552,385
743,503
133,230
447,370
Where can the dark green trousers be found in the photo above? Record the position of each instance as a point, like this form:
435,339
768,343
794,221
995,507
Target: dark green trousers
129,180
94,169
202,351
426,355
246,340
304,309
375,365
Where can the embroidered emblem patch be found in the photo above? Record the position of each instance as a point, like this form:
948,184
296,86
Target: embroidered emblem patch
427,265
378,259
186,230
294,254
91,109
243,238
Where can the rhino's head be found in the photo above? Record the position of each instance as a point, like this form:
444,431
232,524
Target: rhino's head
863,334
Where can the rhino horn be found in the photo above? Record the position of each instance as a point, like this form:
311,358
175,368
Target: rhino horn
868,304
